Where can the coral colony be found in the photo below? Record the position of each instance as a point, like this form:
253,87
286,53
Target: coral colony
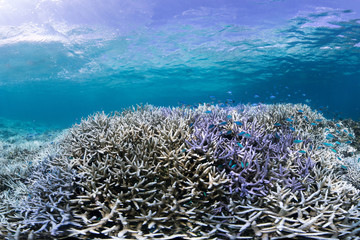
235,172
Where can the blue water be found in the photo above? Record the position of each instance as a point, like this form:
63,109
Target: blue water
62,60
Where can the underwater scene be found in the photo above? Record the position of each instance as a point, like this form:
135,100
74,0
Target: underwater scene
192,119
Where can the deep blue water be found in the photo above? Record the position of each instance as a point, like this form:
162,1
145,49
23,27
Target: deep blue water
62,60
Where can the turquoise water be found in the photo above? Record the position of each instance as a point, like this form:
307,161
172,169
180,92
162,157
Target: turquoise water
61,61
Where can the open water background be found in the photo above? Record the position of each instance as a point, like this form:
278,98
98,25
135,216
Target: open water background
62,60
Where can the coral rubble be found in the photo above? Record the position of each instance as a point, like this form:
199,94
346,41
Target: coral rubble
240,172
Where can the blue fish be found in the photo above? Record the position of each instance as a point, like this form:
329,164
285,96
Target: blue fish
313,124
291,128
350,135
230,162
343,167
238,123
330,136
302,151
211,126
184,150
233,166
272,97
247,135
277,136
345,131
240,145
228,116
254,104
349,142
256,96
318,120
289,120
328,144
228,132
338,125
241,133
242,164
338,143
333,150
207,111
277,124
229,92
298,141
300,111
222,123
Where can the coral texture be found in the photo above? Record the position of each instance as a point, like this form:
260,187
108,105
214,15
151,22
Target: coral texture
236,172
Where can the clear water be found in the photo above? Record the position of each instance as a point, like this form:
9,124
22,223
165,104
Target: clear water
62,60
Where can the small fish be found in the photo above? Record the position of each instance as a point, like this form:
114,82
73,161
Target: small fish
211,126
289,120
238,123
254,104
318,120
302,151
343,167
233,166
277,125
191,124
230,162
240,145
338,143
338,131
228,116
313,124
333,150
242,164
228,132
349,142
256,96
222,123
300,111
326,129
272,97
298,141
338,125
184,150
330,136
212,97
277,136
291,128
328,144
247,135
207,111
241,133
345,131
304,94
229,92
350,135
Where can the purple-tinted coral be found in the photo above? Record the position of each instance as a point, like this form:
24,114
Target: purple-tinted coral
252,156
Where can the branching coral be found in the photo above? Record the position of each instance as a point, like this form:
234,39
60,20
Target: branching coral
162,173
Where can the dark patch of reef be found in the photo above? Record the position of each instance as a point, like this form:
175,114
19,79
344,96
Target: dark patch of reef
242,172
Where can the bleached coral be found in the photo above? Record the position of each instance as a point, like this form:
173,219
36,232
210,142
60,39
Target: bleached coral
160,173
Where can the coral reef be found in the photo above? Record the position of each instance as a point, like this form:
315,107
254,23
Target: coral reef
235,172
